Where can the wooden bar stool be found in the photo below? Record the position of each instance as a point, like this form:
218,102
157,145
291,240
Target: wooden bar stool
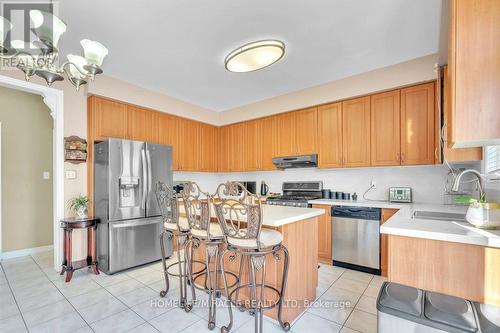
68,225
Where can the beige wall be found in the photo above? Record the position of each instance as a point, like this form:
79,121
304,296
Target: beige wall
417,70
26,154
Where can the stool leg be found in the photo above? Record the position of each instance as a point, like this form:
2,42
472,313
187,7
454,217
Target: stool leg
284,325
164,263
261,298
189,254
238,283
211,293
226,329
182,275
253,293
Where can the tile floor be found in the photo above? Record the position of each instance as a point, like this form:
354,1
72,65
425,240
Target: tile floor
34,298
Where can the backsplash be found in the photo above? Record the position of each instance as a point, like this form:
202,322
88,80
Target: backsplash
427,182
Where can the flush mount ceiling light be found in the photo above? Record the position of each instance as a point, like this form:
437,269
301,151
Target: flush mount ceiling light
253,56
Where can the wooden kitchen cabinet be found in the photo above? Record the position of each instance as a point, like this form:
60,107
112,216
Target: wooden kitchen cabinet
451,154
385,129
286,145
417,125
189,145
356,132
209,148
238,147
253,151
269,141
325,235
474,72
141,124
167,129
109,119
306,123
330,135
225,151
384,246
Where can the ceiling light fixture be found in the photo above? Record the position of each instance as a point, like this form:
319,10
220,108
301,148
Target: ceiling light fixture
40,56
254,56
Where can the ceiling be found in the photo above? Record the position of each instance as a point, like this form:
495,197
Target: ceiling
177,47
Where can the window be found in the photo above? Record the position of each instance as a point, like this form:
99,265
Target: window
491,159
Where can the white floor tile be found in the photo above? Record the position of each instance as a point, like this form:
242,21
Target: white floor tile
12,324
137,296
374,287
201,326
160,285
46,313
362,322
312,323
102,310
119,322
75,288
8,307
358,276
347,330
152,308
34,291
124,287
269,327
174,320
367,304
328,277
150,277
67,323
351,285
108,280
335,305
144,328
40,300
222,314
93,297
141,271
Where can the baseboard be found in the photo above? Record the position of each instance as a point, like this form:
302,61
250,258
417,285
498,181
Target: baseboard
25,252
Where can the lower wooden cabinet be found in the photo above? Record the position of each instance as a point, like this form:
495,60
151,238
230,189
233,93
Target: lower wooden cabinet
384,267
325,235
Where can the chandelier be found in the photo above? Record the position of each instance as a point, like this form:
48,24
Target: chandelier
40,57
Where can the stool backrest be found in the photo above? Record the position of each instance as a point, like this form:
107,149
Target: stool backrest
168,202
238,211
197,208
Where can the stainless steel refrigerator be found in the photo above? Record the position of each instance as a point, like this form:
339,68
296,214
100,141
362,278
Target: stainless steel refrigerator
125,175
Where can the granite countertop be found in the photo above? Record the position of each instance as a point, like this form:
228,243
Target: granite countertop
402,223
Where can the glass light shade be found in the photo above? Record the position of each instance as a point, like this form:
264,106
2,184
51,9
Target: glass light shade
5,27
25,58
79,62
94,52
254,56
47,27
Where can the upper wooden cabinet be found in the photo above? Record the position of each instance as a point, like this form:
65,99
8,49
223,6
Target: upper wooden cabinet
306,124
286,134
385,129
238,147
474,72
449,153
225,151
268,142
167,131
253,139
140,124
189,145
330,135
417,125
356,132
209,146
107,118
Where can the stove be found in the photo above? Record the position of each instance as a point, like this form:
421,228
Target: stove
297,194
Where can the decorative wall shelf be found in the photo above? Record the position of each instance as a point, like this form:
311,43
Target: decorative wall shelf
75,150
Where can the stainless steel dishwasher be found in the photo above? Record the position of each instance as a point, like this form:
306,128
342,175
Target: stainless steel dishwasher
356,238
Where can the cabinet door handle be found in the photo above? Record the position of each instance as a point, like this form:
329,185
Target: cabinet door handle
402,158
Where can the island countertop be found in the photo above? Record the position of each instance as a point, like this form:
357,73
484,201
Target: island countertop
403,224
277,216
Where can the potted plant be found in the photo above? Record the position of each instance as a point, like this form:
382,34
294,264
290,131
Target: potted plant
79,205
482,214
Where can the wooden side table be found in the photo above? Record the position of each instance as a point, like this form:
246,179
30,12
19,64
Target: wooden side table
68,225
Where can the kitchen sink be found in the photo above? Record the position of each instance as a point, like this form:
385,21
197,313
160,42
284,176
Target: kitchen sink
444,216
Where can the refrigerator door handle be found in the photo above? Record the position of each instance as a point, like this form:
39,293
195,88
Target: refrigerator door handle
144,176
150,179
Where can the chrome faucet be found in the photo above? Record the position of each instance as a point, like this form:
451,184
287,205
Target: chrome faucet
458,179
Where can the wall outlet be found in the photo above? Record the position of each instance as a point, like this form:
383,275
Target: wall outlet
373,183
70,174
46,175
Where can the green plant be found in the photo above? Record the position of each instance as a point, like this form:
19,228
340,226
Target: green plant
78,202
465,199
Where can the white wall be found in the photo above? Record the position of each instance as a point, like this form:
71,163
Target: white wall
427,182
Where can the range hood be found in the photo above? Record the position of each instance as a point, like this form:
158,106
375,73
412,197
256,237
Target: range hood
303,161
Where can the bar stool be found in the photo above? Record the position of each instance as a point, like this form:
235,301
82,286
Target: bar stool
197,205
240,216
174,226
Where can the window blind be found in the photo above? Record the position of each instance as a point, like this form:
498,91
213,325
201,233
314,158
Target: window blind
492,159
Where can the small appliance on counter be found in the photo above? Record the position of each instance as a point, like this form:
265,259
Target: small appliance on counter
400,194
250,186
264,188
179,186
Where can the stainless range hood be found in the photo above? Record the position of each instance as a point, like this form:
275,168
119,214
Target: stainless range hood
289,162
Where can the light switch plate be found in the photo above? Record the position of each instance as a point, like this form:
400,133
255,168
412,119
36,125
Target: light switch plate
46,175
70,174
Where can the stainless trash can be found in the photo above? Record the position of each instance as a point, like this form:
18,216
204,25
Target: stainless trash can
407,309
488,317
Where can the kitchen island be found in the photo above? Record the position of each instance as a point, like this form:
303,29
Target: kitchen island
299,227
